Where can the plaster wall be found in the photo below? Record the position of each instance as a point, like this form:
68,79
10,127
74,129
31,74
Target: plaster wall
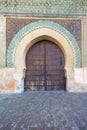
84,41
11,80
80,80
2,40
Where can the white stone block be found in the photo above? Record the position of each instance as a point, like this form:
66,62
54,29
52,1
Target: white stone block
78,75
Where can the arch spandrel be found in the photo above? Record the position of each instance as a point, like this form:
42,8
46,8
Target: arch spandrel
52,30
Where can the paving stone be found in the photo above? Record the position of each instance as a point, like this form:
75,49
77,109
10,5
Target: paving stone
42,110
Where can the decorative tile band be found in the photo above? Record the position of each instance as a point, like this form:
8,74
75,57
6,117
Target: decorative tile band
36,25
13,25
73,7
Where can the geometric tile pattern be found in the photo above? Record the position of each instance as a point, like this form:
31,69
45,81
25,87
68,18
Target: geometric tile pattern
73,7
13,25
40,24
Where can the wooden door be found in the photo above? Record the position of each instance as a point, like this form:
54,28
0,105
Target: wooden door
45,67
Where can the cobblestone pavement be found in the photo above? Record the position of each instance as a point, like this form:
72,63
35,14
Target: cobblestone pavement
52,110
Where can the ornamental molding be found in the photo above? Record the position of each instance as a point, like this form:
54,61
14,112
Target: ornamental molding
42,24
39,7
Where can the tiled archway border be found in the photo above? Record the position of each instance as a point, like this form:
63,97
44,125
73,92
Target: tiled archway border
42,24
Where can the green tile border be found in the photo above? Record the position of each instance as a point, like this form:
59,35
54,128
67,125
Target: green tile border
36,25
73,7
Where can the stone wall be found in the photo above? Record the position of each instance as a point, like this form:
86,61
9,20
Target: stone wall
2,40
11,80
80,80
84,41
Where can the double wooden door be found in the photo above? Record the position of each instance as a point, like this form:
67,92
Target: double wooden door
45,67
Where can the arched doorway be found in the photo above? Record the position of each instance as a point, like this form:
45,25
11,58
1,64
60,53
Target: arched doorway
37,31
45,67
